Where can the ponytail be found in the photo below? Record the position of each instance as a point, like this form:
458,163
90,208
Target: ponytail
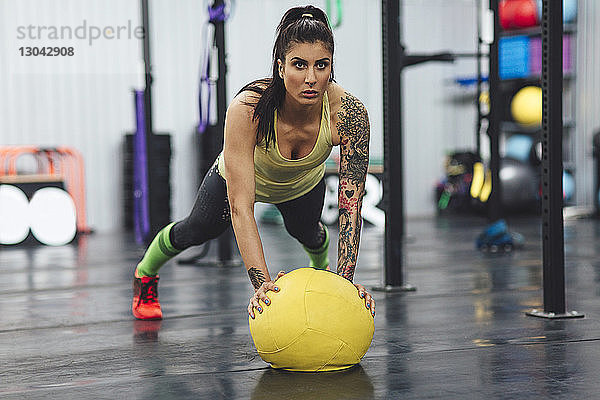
298,25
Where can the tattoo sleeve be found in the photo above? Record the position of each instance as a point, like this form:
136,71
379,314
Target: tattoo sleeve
354,131
256,277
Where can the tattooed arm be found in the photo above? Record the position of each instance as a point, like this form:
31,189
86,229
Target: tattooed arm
353,129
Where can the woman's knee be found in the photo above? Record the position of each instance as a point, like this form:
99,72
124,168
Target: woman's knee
308,234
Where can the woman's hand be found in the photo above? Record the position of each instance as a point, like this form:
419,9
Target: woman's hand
363,294
261,294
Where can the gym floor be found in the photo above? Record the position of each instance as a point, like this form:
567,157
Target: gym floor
66,330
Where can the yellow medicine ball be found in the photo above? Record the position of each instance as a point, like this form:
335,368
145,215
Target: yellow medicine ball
316,322
526,106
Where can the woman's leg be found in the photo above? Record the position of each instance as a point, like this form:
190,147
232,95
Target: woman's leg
302,217
208,219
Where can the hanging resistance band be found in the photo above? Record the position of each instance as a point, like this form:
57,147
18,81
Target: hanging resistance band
338,4
141,211
209,69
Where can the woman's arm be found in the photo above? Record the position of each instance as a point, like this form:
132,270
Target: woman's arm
353,129
238,151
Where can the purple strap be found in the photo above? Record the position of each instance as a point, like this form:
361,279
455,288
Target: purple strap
141,216
215,14
204,91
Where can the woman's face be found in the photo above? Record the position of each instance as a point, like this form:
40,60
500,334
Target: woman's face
306,72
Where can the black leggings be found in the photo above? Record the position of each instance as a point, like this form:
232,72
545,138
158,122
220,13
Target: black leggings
210,215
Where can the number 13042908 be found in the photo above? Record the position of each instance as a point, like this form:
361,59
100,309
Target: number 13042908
47,51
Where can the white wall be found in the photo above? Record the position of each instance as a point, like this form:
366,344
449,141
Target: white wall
438,116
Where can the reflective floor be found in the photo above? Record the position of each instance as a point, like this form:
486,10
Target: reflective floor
66,331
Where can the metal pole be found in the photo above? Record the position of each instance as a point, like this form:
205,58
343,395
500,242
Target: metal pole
150,151
479,81
493,130
552,168
225,241
392,147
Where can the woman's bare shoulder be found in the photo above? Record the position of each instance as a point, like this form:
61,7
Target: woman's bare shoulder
338,96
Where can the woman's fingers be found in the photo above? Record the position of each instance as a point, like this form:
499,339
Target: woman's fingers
361,290
271,286
265,299
254,305
369,301
261,294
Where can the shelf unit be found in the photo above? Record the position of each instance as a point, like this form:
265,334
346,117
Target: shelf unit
511,81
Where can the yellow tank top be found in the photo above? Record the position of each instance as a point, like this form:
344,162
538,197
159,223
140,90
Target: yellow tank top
279,179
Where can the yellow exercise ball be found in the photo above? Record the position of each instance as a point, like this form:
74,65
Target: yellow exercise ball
526,106
316,322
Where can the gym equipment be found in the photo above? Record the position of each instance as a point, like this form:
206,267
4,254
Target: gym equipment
456,191
132,202
467,185
141,192
535,55
339,13
210,130
14,225
525,14
520,185
52,216
496,238
519,147
514,57
506,11
316,322
568,186
151,192
569,10
526,106
553,245
515,14
60,164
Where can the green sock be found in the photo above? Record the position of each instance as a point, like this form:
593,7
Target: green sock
159,252
318,257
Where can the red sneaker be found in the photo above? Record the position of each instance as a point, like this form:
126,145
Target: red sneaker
145,297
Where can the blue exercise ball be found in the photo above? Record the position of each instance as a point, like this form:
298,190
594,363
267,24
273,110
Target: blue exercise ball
568,186
519,147
569,10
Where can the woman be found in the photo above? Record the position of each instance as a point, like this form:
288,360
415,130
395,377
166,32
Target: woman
278,133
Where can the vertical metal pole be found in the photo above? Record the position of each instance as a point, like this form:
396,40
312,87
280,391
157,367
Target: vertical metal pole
147,67
479,80
150,151
392,146
552,132
225,241
493,130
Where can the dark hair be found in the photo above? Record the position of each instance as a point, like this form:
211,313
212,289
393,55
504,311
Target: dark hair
299,25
